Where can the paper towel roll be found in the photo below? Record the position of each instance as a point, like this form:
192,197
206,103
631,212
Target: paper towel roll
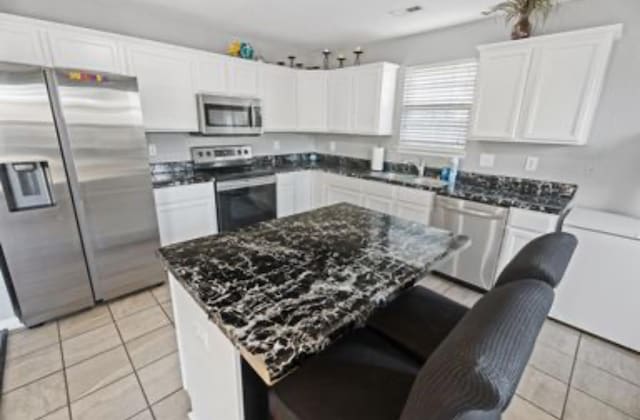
377,159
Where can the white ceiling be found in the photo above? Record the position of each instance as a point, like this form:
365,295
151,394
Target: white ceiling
320,23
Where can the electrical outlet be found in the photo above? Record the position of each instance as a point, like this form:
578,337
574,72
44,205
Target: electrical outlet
332,146
276,145
487,160
531,164
153,151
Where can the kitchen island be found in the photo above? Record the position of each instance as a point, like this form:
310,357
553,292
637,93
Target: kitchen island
271,295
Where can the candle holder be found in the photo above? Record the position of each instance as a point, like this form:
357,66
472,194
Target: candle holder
341,61
325,60
299,65
292,59
358,52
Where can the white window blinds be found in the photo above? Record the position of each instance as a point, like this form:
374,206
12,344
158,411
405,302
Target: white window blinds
437,107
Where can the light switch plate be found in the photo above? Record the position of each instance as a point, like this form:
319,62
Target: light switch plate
487,160
531,164
332,146
153,151
276,145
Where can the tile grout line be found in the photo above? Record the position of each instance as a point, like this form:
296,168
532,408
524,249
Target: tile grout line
544,410
135,372
64,373
573,369
575,362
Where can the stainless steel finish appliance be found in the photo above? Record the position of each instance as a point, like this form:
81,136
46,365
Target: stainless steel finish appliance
484,225
77,217
229,116
245,194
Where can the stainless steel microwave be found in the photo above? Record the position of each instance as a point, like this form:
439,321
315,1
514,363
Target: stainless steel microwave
229,116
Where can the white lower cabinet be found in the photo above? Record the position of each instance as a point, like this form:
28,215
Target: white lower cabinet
294,192
413,204
341,189
186,212
523,226
377,196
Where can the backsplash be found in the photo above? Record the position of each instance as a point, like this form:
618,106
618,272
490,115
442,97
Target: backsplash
470,180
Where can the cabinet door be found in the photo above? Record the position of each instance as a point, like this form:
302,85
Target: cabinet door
21,42
500,86
286,195
303,182
514,240
564,88
166,90
413,211
210,73
377,196
278,91
87,50
185,212
242,77
337,194
366,99
312,101
378,203
339,100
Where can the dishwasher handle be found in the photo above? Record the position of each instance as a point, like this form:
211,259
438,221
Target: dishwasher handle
471,212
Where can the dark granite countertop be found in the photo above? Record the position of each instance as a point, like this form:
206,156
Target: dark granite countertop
531,194
285,289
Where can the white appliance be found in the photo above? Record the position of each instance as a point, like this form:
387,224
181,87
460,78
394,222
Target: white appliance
229,116
601,288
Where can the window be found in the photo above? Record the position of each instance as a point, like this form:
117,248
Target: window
437,107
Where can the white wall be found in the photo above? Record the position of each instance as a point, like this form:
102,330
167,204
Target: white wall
139,20
607,169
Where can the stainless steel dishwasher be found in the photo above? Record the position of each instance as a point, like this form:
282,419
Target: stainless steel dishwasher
484,225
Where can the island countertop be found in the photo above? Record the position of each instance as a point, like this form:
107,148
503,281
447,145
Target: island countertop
285,289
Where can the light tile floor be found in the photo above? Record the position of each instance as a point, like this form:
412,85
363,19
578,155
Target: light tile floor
118,361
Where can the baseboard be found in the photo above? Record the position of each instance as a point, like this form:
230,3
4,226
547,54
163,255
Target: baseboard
10,323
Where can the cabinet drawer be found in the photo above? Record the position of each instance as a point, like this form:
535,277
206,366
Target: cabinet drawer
532,220
377,188
182,193
415,196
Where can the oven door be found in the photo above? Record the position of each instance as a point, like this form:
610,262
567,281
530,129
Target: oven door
228,116
245,202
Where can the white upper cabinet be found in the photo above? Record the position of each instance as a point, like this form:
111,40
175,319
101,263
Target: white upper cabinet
374,87
87,50
339,100
165,84
21,41
278,93
564,89
242,77
210,73
312,100
501,82
361,99
542,90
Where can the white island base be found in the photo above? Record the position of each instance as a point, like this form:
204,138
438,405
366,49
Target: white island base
211,365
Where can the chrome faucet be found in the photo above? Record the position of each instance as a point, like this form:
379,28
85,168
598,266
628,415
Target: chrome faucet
420,165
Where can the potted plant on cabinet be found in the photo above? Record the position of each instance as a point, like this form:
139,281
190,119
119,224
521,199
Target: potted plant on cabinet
521,12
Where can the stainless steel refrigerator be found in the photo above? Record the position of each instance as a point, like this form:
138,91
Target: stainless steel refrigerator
77,216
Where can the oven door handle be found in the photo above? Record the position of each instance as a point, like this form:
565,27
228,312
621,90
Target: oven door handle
245,183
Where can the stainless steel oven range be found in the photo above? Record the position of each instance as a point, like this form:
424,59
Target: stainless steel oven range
244,194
